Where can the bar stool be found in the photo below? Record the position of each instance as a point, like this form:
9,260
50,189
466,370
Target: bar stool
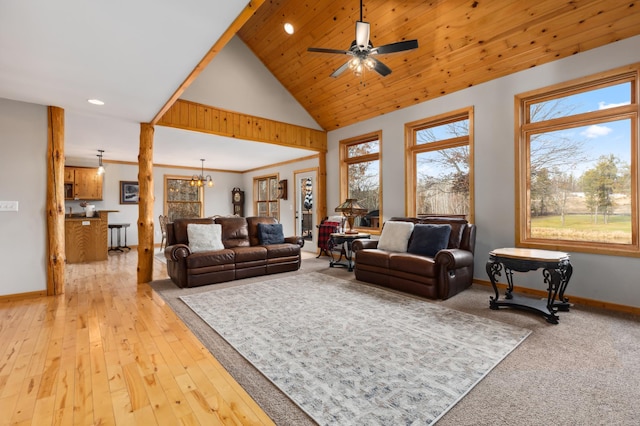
118,226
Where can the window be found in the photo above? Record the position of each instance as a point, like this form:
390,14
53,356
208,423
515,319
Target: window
181,200
360,177
265,189
577,165
439,165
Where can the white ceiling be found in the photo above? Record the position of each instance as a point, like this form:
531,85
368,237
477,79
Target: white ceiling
132,55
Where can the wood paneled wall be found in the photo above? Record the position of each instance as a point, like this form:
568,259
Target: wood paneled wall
204,118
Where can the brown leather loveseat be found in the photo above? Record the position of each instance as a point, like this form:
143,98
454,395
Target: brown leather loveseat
441,276
242,256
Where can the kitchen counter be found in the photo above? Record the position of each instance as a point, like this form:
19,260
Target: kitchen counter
81,217
86,238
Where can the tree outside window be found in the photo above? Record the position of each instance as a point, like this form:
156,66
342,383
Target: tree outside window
361,177
181,200
439,165
577,172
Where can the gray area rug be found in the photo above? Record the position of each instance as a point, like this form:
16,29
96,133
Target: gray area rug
349,353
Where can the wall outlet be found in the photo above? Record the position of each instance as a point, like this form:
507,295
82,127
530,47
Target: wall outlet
8,206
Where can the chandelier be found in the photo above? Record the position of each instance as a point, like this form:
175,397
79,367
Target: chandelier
100,166
202,179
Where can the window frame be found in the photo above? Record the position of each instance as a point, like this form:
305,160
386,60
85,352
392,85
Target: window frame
166,194
412,149
346,161
524,128
269,200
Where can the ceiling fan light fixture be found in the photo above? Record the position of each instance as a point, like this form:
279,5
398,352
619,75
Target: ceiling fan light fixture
369,63
361,49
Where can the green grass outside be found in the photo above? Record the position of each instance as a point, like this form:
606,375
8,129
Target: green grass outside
581,228
584,222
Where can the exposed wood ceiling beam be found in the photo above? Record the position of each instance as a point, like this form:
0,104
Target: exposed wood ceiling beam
193,116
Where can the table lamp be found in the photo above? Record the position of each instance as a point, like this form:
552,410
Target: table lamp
351,209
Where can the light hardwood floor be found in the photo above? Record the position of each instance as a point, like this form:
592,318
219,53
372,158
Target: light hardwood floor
110,351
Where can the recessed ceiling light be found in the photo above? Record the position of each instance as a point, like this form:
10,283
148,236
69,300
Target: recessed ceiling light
95,102
288,28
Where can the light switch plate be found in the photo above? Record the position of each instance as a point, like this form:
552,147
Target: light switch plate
8,206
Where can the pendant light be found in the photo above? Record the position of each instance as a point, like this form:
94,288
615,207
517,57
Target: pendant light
100,166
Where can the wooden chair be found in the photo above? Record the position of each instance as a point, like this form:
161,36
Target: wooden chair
163,228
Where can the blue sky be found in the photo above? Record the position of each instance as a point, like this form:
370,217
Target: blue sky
609,137
605,138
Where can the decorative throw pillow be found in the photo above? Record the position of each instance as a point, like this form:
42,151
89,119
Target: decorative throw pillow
204,237
395,236
429,239
270,233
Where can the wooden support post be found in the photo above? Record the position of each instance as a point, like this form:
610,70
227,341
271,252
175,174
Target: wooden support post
55,201
145,204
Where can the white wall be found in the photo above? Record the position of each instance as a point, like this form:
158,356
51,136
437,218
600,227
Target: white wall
236,80
23,178
606,278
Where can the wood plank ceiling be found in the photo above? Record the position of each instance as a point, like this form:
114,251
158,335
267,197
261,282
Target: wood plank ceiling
462,43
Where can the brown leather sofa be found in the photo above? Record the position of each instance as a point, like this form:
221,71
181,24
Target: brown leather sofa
446,274
243,256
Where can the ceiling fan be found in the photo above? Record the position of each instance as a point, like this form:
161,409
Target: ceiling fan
362,51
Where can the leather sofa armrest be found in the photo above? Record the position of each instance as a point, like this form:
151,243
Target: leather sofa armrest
177,251
454,258
295,240
361,244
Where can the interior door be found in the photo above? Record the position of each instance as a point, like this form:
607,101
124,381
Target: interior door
305,196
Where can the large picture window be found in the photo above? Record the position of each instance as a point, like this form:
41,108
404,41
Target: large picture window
265,189
577,176
439,165
360,177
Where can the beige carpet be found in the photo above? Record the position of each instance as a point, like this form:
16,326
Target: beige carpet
582,371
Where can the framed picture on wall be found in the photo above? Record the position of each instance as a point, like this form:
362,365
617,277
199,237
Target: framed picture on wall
129,192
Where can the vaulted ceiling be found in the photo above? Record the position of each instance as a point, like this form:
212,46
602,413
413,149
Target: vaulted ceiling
462,43
64,52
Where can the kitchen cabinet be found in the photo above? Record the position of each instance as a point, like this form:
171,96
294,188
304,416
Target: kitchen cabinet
86,238
82,183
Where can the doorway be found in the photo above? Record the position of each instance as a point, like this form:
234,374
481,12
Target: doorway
305,216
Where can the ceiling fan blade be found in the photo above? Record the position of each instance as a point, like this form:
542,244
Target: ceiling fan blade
322,50
381,68
362,34
340,70
400,46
